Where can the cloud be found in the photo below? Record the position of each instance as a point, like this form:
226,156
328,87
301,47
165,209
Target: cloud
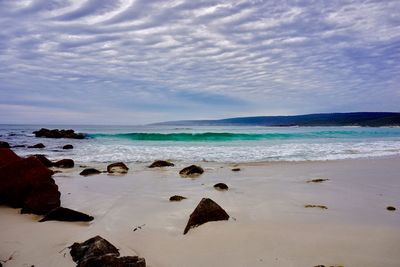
184,59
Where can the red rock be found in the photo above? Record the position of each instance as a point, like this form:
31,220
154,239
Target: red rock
26,183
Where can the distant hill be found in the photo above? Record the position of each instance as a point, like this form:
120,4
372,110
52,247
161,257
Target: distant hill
373,119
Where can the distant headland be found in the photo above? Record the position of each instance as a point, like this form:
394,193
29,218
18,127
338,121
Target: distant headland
365,119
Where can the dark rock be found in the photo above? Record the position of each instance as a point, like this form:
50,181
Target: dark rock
55,133
161,163
206,211
316,206
319,180
391,208
66,215
89,171
176,198
98,252
46,162
221,186
68,147
40,145
16,146
64,163
192,170
236,169
4,144
118,167
26,183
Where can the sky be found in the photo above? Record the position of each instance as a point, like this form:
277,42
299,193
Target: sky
143,61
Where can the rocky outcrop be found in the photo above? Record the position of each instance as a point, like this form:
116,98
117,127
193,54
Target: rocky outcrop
26,183
68,147
176,198
89,171
161,163
206,211
64,163
42,158
66,215
55,133
221,186
4,144
98,252
118,167
191,171
40,145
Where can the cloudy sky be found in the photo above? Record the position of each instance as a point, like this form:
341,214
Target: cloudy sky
138,61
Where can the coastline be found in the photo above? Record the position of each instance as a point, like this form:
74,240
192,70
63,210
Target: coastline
269,225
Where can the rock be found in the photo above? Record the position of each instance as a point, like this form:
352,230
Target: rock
319,180
221,186
206,211
118,167
161,163
26,183
236,169
40,145
46,162
316,206
64,163
89,171
55,133
176,198
68,147
391,208
16,146
98,252
4,144
192,170
66,215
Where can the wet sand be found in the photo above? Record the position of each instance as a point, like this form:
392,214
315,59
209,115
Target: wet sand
269,224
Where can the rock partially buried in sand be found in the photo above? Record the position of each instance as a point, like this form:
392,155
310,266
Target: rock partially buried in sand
98,252
68,147
316,206
221,186
390,208
66,215
26,183
42,158
191,171
319,180
236,169
55,133
4,144
64,163
161,163
40,145
176,198
118,167
206,211
89,171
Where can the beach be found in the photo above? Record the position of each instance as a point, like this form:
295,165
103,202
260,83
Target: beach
268,225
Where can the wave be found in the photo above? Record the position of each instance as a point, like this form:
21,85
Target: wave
226,136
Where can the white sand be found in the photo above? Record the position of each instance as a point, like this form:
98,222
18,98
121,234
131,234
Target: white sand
271,225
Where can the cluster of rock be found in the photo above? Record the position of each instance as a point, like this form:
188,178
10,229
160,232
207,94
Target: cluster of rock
55,133
97,252
63,163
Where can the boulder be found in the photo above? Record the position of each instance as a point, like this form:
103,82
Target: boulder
176,198
221,186
40,145
64,163
68,147
26,183
161,163
16,146
206,211
4,144
236,169
191,171
55,133
118,167
98,252
66,215
89,171
42,158
391,208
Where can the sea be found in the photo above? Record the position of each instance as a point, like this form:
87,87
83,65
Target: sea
227,144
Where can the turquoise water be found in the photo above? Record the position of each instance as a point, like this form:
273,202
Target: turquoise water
218,144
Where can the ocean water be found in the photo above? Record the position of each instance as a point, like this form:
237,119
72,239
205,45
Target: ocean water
215,144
